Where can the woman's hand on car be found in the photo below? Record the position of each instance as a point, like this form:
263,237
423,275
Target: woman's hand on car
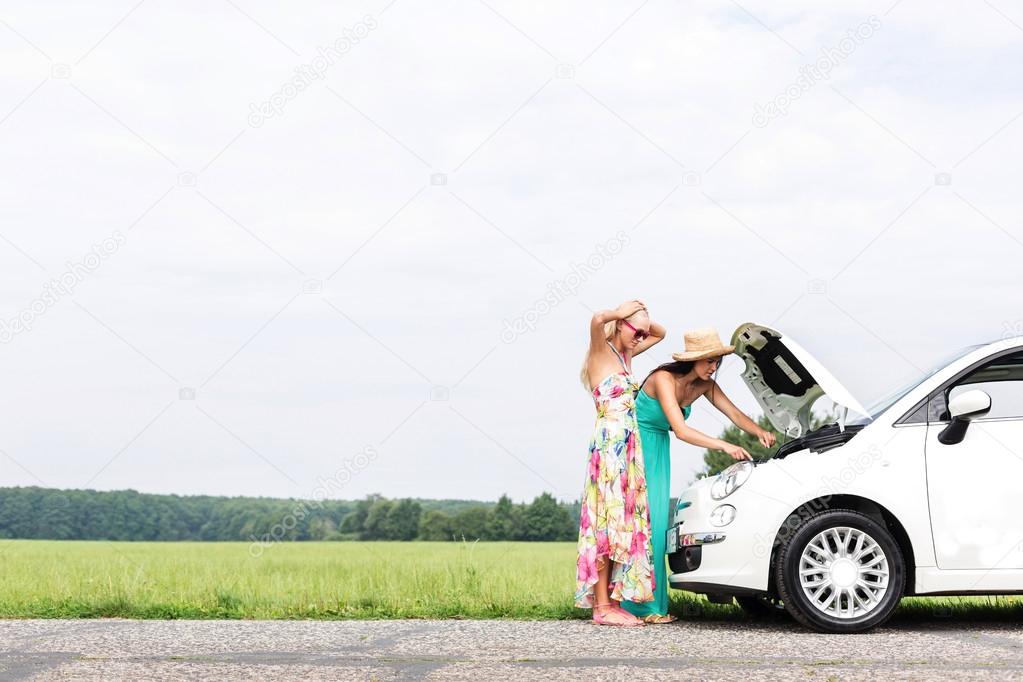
736,452
766,438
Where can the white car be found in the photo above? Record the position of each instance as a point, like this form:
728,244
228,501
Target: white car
921,495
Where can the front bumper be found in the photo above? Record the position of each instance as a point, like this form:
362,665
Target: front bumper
733,560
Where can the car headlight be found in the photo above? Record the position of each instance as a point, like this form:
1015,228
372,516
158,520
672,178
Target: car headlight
722,515
731,479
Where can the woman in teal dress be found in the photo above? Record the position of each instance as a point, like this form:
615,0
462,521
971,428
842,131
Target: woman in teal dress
662,407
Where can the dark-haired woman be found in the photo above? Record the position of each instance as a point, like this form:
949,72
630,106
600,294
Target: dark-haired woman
662,406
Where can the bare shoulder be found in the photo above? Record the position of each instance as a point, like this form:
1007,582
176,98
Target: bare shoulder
657,381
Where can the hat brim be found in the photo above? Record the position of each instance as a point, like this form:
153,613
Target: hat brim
690,357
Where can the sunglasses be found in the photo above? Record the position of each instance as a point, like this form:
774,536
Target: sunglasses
640,333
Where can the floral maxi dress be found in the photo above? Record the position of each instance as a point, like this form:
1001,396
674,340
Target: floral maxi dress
614,521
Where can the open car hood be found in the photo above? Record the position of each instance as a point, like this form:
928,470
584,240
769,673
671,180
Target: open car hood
785,379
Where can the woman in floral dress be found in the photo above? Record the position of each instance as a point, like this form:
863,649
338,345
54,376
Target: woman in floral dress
614,561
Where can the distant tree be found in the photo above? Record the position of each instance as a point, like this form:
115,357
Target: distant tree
545,519
504,522
55,516
436,525
378,524
403,520
471,523
355,522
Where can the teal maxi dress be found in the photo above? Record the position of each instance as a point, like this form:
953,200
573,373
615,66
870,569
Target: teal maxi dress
655,435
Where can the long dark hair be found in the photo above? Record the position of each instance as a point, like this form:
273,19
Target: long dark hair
678,368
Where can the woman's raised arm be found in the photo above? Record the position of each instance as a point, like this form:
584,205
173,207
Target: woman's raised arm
602,317
657,334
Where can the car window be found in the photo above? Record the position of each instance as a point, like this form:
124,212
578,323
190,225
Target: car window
918,416
1002,379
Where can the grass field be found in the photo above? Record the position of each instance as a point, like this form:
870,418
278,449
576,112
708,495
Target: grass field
68,579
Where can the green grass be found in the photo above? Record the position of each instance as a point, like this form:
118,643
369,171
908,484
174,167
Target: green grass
331,580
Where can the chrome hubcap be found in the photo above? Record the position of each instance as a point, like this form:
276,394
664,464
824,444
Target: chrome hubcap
844,573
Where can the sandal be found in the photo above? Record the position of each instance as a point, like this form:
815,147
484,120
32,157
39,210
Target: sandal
625,619
659,619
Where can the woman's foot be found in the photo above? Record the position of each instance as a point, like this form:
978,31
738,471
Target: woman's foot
659,619
616,617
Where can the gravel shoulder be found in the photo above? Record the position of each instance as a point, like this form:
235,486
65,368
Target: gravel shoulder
474,650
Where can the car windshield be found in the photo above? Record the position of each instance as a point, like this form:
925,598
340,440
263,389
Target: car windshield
890,398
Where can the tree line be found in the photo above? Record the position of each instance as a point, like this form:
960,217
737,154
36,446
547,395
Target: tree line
543,519
51,514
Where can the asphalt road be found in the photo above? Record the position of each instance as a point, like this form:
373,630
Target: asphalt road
512,650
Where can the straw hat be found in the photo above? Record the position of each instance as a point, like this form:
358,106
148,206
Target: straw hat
702,343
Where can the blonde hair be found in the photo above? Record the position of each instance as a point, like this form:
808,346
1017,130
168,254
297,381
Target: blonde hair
610,329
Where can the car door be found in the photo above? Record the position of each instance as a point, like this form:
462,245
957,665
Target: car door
975,487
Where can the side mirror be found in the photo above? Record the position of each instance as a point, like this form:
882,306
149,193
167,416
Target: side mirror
963,408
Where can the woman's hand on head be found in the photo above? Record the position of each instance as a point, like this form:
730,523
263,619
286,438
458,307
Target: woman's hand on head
629,308
766,438
736,452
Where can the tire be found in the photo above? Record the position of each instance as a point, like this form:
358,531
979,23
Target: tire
851,549
761,607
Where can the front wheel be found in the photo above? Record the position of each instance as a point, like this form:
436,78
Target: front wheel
840,572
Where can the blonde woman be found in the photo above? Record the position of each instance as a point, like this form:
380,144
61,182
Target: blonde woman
614,561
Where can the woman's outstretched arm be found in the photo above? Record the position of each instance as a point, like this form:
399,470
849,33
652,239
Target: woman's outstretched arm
664,388
721,401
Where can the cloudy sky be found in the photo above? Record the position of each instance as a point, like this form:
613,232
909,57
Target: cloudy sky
243,243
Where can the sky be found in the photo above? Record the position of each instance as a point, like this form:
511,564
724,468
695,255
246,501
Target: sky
253,248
